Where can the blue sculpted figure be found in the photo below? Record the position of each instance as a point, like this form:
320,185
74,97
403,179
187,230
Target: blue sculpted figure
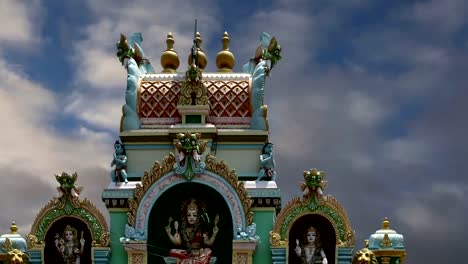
120,162
136,40
127,56
132,233
268,163
266,57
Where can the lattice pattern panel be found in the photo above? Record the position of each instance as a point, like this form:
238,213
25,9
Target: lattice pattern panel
229,98
159,99
230,102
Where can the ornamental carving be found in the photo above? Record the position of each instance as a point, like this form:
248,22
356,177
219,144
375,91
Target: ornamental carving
193,91
158,171
69,204
222,169
314,202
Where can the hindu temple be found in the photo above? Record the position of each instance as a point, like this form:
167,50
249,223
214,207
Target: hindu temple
192,178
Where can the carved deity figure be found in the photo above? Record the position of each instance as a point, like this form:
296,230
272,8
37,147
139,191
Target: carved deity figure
268,163
311,252
69,246
120,162
192,235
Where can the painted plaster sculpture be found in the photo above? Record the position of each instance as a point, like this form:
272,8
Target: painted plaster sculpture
250,233
266,57
132,233
311,251
268,163
15,255
67,185
69,246
120,162
189,150
128,56
195,240
314,183
364,256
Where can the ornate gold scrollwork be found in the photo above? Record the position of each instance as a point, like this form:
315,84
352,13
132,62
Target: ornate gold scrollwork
158,171
222,169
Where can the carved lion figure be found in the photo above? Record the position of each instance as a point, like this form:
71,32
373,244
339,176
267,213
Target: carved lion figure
364,256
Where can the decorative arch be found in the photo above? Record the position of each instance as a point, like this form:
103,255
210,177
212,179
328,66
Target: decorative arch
326,206
68,204
218,176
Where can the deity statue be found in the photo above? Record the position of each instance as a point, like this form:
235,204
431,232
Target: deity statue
120,162
268,163
192,235
311,252
69,246
190,149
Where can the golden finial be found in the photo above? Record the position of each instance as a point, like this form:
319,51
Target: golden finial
170,58
386,223
225,59
366,241
13,228
201,56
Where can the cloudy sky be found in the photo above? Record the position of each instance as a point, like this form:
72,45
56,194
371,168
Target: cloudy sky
371,92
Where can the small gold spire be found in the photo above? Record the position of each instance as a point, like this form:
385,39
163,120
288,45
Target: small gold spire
13,228
169,58
386,223
366,242
201,56
225,59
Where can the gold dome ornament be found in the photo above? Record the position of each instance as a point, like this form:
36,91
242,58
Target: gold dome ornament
13,228
169,58
201,56
225,59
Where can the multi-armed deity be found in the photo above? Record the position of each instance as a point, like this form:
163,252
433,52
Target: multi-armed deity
193,235
120,162
69,246
311,251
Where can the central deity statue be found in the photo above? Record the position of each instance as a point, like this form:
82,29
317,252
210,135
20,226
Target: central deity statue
69,246
192,235
311,252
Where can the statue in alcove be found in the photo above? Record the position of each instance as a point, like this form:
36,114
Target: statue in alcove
268,163
194,235
311,252
69,246
120,162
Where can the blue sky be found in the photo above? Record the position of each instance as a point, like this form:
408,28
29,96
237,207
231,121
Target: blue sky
372,92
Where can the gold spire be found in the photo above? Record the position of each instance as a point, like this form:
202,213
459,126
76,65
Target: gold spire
386,223
225,59
200,54
170,58
13,228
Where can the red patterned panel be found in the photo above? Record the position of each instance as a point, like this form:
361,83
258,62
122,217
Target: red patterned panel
158,99
230,102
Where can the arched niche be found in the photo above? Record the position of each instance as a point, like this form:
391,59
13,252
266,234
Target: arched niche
169,205
51,254
81,214
326,233
217,176
313,207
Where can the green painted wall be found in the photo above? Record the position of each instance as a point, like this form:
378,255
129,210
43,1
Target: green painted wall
118,219
264,218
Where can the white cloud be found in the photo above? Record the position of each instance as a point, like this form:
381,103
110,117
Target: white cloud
21,21
35,150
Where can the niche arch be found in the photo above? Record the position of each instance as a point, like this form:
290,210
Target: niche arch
217,176
169,205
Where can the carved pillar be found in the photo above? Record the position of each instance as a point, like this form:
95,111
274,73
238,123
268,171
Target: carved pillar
136,251
243,251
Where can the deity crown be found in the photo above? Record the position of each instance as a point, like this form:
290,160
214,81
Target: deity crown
192,205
